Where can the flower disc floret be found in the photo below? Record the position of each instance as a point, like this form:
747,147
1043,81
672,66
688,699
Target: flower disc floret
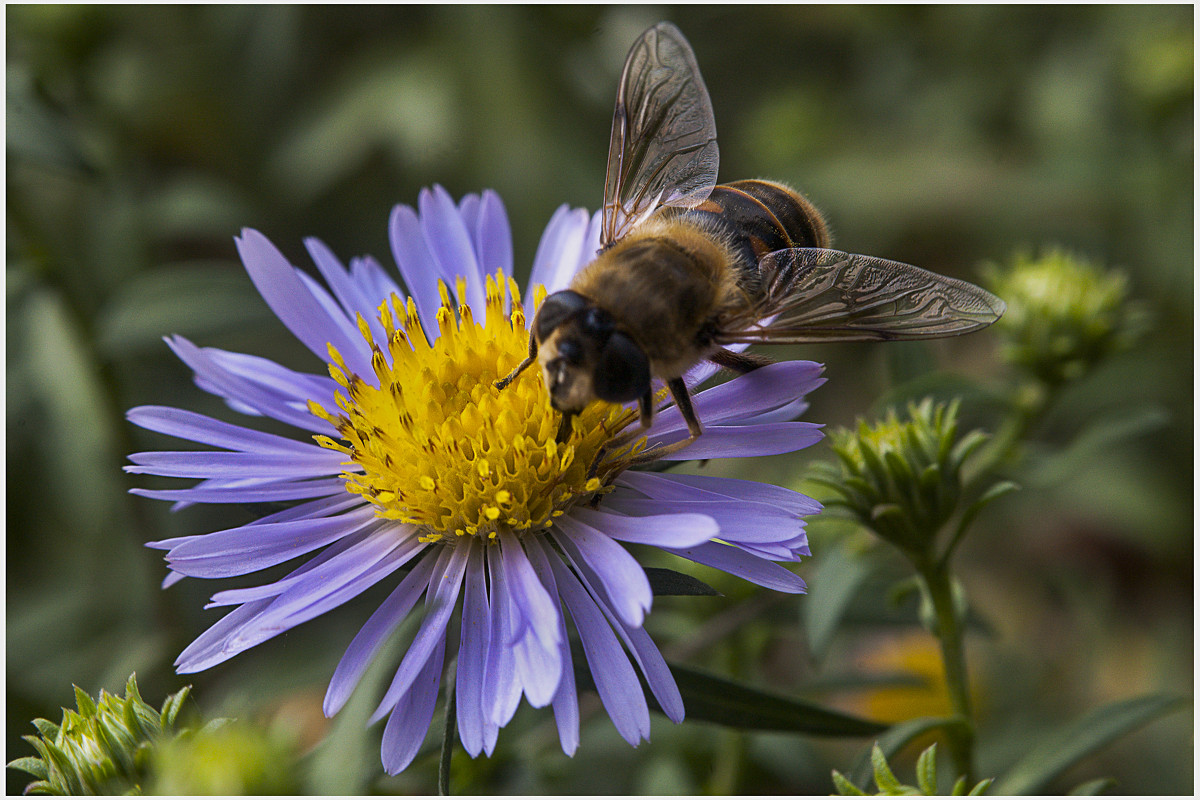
432,442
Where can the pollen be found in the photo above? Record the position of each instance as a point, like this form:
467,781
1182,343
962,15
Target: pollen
430,440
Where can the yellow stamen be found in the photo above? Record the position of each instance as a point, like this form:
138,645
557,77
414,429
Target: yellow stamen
431,441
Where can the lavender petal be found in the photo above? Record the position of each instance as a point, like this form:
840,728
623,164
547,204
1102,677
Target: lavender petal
763,390
449,241
472,655
650,523
736,441
249,548
736,522
409,722
439,603
705,487
223,464
301,312
735,561
616,682
220,380
566,699
371,637
622,579
251,493
493,235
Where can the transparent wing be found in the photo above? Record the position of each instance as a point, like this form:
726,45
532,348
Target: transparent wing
663,149
812,295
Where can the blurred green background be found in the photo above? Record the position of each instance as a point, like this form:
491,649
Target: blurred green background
140,140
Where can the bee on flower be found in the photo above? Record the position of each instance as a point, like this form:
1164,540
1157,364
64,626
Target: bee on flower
412,469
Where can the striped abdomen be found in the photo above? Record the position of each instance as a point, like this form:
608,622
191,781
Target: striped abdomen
760,217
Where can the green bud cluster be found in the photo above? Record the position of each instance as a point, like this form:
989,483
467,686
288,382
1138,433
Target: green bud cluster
1064,315
901,478
103,747
890,786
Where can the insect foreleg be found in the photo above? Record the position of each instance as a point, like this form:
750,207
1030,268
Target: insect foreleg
739,362
512,376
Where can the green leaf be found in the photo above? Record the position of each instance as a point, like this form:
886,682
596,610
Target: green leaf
927,770
838,577
46,728
845,787
980,788
1059,750
994,492
896,738
31,764
1093,787
172,707
669,582
885,779
197,300
1094,442
712,699
84,702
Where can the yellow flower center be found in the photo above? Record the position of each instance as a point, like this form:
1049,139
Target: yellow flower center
431,441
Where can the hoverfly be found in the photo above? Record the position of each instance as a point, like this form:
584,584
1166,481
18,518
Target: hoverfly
688,268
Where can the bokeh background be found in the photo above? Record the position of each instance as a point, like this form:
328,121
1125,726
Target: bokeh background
140,140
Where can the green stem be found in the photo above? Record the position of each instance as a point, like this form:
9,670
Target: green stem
448,736
1028,404
950,635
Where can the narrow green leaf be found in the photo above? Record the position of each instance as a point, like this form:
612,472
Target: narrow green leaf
838,577
197,300
84,702
927,770
896,738
981,788
46,728
967,445
669,582
994,492
34,766
711,699
845,787
885,779
1092,443
1059,750
1093,787
131,689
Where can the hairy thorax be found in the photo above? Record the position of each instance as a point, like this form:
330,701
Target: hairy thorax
666,284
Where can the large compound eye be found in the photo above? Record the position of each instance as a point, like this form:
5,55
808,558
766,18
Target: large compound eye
622,371
597,324
557,309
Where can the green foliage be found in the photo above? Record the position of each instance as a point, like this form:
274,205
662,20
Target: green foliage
102,748
889,785
903,479
1082,737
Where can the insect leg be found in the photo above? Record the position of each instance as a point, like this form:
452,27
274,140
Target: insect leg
739,362
679,393
564,428
646,408
512,376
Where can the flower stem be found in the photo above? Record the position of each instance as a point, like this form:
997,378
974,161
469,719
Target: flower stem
937,578
448,736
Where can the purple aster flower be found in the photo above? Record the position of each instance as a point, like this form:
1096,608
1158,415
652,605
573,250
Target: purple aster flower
412,468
